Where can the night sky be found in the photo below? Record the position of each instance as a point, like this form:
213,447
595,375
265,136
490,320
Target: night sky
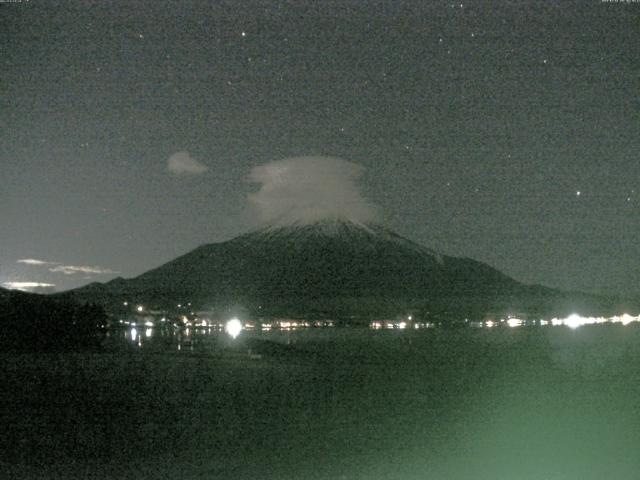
505,131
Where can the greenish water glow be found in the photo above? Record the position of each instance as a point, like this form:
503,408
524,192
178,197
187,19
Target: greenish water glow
501,403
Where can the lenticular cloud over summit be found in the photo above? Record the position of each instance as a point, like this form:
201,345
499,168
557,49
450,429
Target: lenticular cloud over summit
307,189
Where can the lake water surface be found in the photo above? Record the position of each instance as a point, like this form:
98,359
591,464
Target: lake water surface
502,403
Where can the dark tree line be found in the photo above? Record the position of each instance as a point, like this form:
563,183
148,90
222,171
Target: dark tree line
38,323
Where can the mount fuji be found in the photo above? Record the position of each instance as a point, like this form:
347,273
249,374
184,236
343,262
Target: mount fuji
331,267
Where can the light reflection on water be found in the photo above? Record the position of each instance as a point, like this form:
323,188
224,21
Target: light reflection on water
214,335
572,321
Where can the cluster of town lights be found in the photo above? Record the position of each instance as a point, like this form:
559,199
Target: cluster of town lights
572,321
234,326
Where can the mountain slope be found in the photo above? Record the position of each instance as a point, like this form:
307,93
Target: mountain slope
326,259
335,268
326,267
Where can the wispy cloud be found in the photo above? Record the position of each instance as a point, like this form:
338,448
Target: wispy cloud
73,269
57,267
36,262
30,286
182,162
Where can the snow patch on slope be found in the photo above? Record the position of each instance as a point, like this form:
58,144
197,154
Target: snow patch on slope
349,231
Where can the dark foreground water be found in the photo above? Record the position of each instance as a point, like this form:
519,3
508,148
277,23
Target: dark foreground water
515,404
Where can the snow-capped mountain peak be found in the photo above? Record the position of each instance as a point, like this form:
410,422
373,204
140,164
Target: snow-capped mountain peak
340,229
